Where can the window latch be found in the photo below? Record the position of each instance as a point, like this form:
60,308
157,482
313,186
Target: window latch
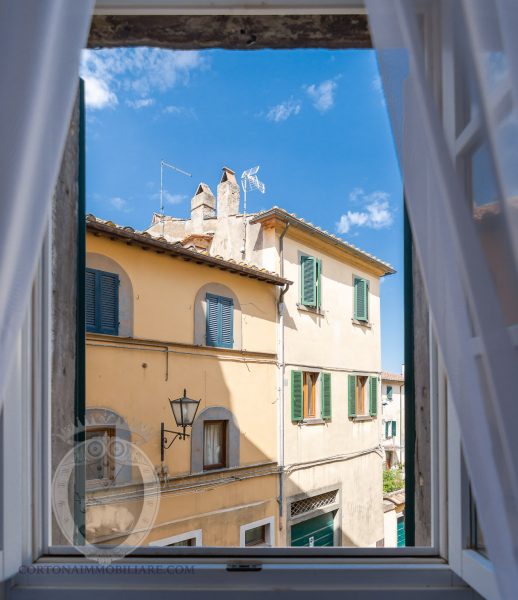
244,566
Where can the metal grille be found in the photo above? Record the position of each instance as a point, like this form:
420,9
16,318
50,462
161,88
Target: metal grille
309,504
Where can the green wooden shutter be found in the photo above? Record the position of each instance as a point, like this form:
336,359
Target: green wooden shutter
326,396
361,299
373,409
389,392
393,428
90,300
308,270
319,282
297,399
226,322
212,327
108,301
352,395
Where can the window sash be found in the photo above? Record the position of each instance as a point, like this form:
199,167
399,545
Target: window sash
214,444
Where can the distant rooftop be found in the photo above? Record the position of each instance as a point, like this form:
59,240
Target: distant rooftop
392,377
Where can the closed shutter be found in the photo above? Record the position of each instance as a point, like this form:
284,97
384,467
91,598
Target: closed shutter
212,329
319,283
90,300
352,395
297,399
373,409
220,321
227,322
326,395
393,428
108,286
308,277
361,296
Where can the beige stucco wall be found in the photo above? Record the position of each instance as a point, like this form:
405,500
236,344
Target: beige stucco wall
361,517
136,377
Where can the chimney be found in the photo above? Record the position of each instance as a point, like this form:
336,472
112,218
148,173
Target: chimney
228,194
203,206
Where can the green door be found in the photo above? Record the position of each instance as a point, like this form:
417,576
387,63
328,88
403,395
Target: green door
400,532
318,531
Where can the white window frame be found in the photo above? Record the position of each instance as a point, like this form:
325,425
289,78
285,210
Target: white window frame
195,534
25,445
269,522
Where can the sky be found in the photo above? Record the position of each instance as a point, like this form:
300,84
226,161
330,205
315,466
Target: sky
315,121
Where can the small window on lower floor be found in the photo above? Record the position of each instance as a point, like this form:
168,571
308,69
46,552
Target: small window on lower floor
259,533
214,445
100,465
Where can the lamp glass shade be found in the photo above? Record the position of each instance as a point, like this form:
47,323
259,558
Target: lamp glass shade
184,410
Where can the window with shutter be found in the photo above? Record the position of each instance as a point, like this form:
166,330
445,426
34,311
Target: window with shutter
393,428
102,302
352,395
297,400
220,321
326,395
389,392
361,299
373,405
308,281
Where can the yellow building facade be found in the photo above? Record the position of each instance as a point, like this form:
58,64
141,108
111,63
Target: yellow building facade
161,320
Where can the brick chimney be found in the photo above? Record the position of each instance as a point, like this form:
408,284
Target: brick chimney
203,206
228,194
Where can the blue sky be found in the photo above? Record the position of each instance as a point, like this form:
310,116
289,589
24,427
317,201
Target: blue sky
314,120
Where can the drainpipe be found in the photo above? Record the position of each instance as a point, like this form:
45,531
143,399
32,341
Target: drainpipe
280,310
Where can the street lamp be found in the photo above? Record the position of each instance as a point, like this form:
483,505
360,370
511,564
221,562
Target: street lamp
184,410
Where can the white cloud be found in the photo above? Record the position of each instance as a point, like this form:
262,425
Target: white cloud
284,111
119,204
138,72
174,198
322,95
98,94
376,84
142,103
376,213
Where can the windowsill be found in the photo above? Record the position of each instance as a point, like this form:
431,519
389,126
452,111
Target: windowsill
363,418
310,309
366,324
313,421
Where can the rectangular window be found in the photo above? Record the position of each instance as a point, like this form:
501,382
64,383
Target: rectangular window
99,464
102,302
305,397
389,392
310,281
258,533
220,321
214,444
361,299
390,429
362,396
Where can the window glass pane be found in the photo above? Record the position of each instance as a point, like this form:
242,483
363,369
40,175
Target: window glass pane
256,372
255,536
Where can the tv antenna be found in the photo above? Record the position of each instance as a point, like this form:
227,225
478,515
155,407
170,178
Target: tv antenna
163,164
250,182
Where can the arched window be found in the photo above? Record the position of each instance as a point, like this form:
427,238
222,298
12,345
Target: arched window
109,297
217,317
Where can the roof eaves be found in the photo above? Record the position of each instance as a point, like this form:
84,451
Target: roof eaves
329,237
161,244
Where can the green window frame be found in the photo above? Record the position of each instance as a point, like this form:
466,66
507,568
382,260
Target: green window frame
310,281
361,299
